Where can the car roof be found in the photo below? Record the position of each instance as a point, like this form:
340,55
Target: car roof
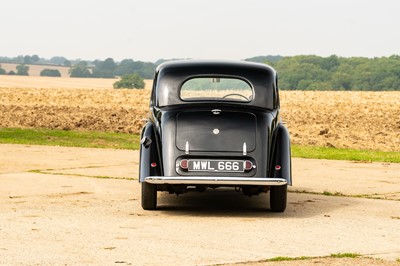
171,75
212,63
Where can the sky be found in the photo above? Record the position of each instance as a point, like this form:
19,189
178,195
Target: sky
204,29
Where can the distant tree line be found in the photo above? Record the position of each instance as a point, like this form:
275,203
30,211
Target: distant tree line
21,59
85,69
22,70
303,72
110,69
310,72
36,60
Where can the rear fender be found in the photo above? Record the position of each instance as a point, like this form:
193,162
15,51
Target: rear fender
149,164
281,163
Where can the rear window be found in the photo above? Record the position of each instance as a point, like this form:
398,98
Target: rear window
217,89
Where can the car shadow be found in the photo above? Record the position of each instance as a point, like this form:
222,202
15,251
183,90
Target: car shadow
228,203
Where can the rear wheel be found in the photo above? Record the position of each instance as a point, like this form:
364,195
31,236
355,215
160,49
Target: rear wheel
149,196
278,196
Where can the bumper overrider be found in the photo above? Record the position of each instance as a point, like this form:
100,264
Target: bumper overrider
216,180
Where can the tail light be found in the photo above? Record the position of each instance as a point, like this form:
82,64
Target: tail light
184,164
248,165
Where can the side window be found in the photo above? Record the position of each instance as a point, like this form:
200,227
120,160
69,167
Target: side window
276,93
216,88
153,91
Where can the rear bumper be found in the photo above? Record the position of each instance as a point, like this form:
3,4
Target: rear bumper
216,180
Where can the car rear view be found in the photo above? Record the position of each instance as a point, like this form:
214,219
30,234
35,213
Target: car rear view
215,124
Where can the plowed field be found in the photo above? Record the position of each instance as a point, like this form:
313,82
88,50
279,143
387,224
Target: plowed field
361,120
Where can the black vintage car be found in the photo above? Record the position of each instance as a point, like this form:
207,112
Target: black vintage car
215,124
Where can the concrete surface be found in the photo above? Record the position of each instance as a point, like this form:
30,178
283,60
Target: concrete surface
57,214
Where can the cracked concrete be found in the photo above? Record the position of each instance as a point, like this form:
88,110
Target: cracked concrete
70,218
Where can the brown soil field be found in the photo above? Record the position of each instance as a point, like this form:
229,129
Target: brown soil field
71,109
360,120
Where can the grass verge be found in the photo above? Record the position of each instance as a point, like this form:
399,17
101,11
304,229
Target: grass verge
90,139
288,258
281,259
86,139
311,152
345,255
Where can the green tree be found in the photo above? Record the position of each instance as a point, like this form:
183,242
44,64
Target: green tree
35,58
27,59
341,81
300,74
330,63
58,60
310,72
109,64
67,63
80,70
104,69
129,66
18,60
2,71
82,64
131,81
50,73
22,70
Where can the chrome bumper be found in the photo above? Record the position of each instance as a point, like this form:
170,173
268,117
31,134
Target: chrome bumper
216,180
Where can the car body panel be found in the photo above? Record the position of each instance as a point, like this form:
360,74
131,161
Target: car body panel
217,131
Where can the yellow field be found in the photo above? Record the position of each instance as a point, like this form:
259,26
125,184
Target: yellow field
360,120
55,82
58,82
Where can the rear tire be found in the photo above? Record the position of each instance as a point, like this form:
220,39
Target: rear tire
278,196
149,196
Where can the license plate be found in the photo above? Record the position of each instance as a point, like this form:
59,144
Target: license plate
236,166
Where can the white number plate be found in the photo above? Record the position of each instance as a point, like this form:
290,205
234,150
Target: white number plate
216,165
